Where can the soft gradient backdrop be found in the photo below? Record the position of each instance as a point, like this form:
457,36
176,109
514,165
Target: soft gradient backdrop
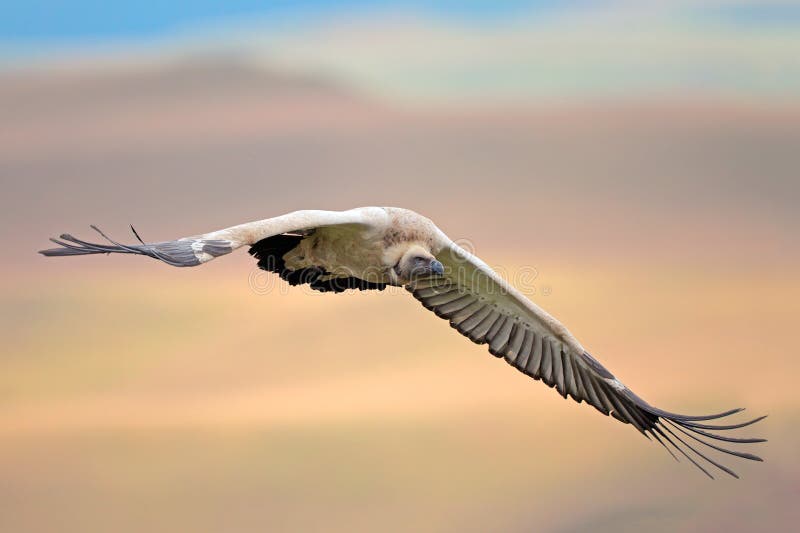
642,158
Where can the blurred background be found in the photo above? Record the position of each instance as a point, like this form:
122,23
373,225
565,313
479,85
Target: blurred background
643,157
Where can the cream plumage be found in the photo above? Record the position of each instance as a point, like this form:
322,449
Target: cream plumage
372,247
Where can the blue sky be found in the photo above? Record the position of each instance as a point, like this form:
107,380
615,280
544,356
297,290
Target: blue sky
46,20
441,49
43,21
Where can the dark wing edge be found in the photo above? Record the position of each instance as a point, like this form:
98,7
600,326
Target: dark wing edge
270,254
542,356
179,253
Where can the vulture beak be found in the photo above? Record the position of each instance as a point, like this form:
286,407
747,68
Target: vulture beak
437,268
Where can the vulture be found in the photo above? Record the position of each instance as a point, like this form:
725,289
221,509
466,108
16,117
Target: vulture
370,248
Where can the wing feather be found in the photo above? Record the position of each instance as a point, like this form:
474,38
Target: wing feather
490,311
478,334
525,350
464,300
516,338
458,317
534,365
199,249
500,339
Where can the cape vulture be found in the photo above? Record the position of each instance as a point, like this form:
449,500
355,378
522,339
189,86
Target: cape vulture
372,247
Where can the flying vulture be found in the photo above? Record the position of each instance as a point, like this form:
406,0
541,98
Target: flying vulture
370,248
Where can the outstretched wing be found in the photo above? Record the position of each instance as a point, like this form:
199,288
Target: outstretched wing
199,249
487,310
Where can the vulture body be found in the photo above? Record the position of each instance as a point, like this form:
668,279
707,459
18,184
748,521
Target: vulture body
370,248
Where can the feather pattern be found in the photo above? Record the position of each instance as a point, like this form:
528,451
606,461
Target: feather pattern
539,349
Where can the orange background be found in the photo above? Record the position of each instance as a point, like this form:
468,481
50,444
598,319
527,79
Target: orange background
139,397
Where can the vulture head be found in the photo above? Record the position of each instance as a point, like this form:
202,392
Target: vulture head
417,262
